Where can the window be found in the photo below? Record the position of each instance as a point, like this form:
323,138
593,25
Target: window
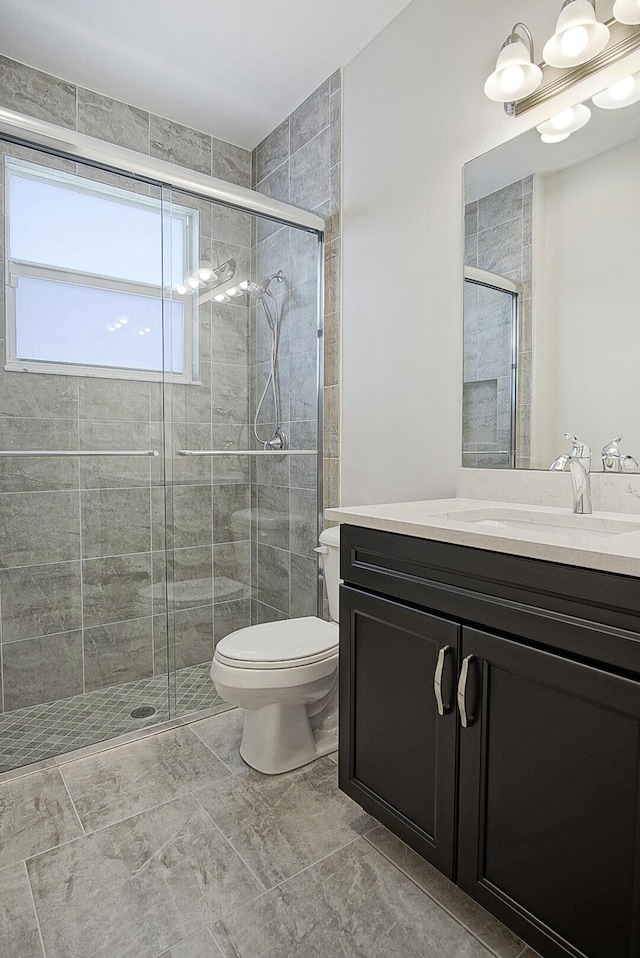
89,272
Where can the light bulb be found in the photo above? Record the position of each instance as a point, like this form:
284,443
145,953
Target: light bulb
562,121
221,298
111,329
622,89
244,285
193,282
511,78
234,291
181,289
554,137
117,325
573,41
141,332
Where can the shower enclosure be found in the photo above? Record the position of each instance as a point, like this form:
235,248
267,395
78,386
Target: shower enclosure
491,323
160,431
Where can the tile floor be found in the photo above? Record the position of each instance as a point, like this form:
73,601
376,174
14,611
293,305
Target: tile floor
42,731
171,847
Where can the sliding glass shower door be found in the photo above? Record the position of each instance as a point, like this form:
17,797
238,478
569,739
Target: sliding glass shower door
241,432
160,428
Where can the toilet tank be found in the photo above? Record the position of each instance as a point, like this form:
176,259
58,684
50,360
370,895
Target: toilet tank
330,540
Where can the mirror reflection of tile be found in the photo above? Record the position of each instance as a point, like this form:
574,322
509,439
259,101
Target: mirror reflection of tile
497,239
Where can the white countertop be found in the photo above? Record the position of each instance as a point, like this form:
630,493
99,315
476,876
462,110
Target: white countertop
581,542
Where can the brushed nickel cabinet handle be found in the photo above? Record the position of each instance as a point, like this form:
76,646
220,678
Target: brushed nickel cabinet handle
462,690
437,678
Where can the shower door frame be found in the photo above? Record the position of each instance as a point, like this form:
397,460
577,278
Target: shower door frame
482,277
48,138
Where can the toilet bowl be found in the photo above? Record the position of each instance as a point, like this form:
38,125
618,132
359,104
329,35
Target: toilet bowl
285,675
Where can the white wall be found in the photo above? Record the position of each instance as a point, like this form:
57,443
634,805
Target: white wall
414,112
591,310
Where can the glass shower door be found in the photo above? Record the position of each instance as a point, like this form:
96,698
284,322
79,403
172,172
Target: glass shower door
242,505
82,509
490,372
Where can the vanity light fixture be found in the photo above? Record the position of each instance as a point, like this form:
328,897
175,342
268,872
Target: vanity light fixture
627,11
580,47
620,94
516,75
563,124
579,35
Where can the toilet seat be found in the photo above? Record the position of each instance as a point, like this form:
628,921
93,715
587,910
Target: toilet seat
290,643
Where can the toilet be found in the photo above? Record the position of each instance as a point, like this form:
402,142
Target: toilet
285,674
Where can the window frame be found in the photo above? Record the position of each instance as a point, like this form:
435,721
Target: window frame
14,268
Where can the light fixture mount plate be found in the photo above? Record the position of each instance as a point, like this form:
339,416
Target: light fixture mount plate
625,39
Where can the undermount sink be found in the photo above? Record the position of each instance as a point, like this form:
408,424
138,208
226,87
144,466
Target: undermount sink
551,525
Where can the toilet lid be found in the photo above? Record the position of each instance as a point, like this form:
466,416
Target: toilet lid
276,645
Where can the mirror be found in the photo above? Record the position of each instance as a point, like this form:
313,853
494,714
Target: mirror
552,297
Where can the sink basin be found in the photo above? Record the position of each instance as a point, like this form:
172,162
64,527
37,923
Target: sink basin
559,527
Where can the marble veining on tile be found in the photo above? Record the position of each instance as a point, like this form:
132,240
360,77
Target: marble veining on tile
138,887
19,935
122,782
281,824
36,814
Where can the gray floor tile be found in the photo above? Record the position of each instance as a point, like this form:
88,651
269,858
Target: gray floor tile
479,922
281,824
223,734
138,887
201,945
18,927
35,814
124,781
353,904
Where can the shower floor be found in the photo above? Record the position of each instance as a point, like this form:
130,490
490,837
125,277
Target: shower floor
43,731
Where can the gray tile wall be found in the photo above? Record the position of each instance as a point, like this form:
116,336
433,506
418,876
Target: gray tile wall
299,162
498,237
82,574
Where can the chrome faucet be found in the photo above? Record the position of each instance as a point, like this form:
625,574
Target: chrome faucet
580,450
614,461
611,458
580,486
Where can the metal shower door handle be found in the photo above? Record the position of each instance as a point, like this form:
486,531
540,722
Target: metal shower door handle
437,679
462,691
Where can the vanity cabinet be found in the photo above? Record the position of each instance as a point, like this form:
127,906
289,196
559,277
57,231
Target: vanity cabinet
490,717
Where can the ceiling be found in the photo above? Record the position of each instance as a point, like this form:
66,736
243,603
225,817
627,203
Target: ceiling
233,69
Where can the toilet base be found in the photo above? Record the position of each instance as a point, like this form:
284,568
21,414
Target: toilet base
279,738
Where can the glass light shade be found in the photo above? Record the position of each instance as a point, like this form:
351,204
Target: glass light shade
578,38
623,93
564,123
515,76
627,11
221,298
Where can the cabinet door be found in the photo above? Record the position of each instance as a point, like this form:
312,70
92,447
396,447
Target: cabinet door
549,798
397,752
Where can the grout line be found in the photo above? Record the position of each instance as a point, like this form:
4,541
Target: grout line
231,846
444,908
73,804
35,910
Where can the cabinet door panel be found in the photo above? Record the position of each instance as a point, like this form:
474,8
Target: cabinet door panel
397,754
549,802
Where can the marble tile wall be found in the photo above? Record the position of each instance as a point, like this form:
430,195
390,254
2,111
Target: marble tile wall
299,162
82,566
498,238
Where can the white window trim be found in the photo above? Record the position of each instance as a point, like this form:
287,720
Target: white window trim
15,268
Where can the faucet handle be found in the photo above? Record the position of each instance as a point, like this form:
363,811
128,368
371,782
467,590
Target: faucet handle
580,450
612,448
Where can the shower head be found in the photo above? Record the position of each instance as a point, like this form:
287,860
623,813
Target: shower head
261,289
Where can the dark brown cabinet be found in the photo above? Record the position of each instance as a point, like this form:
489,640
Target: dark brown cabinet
505,759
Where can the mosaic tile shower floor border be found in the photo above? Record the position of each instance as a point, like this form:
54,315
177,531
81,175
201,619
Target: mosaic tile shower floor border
44,731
